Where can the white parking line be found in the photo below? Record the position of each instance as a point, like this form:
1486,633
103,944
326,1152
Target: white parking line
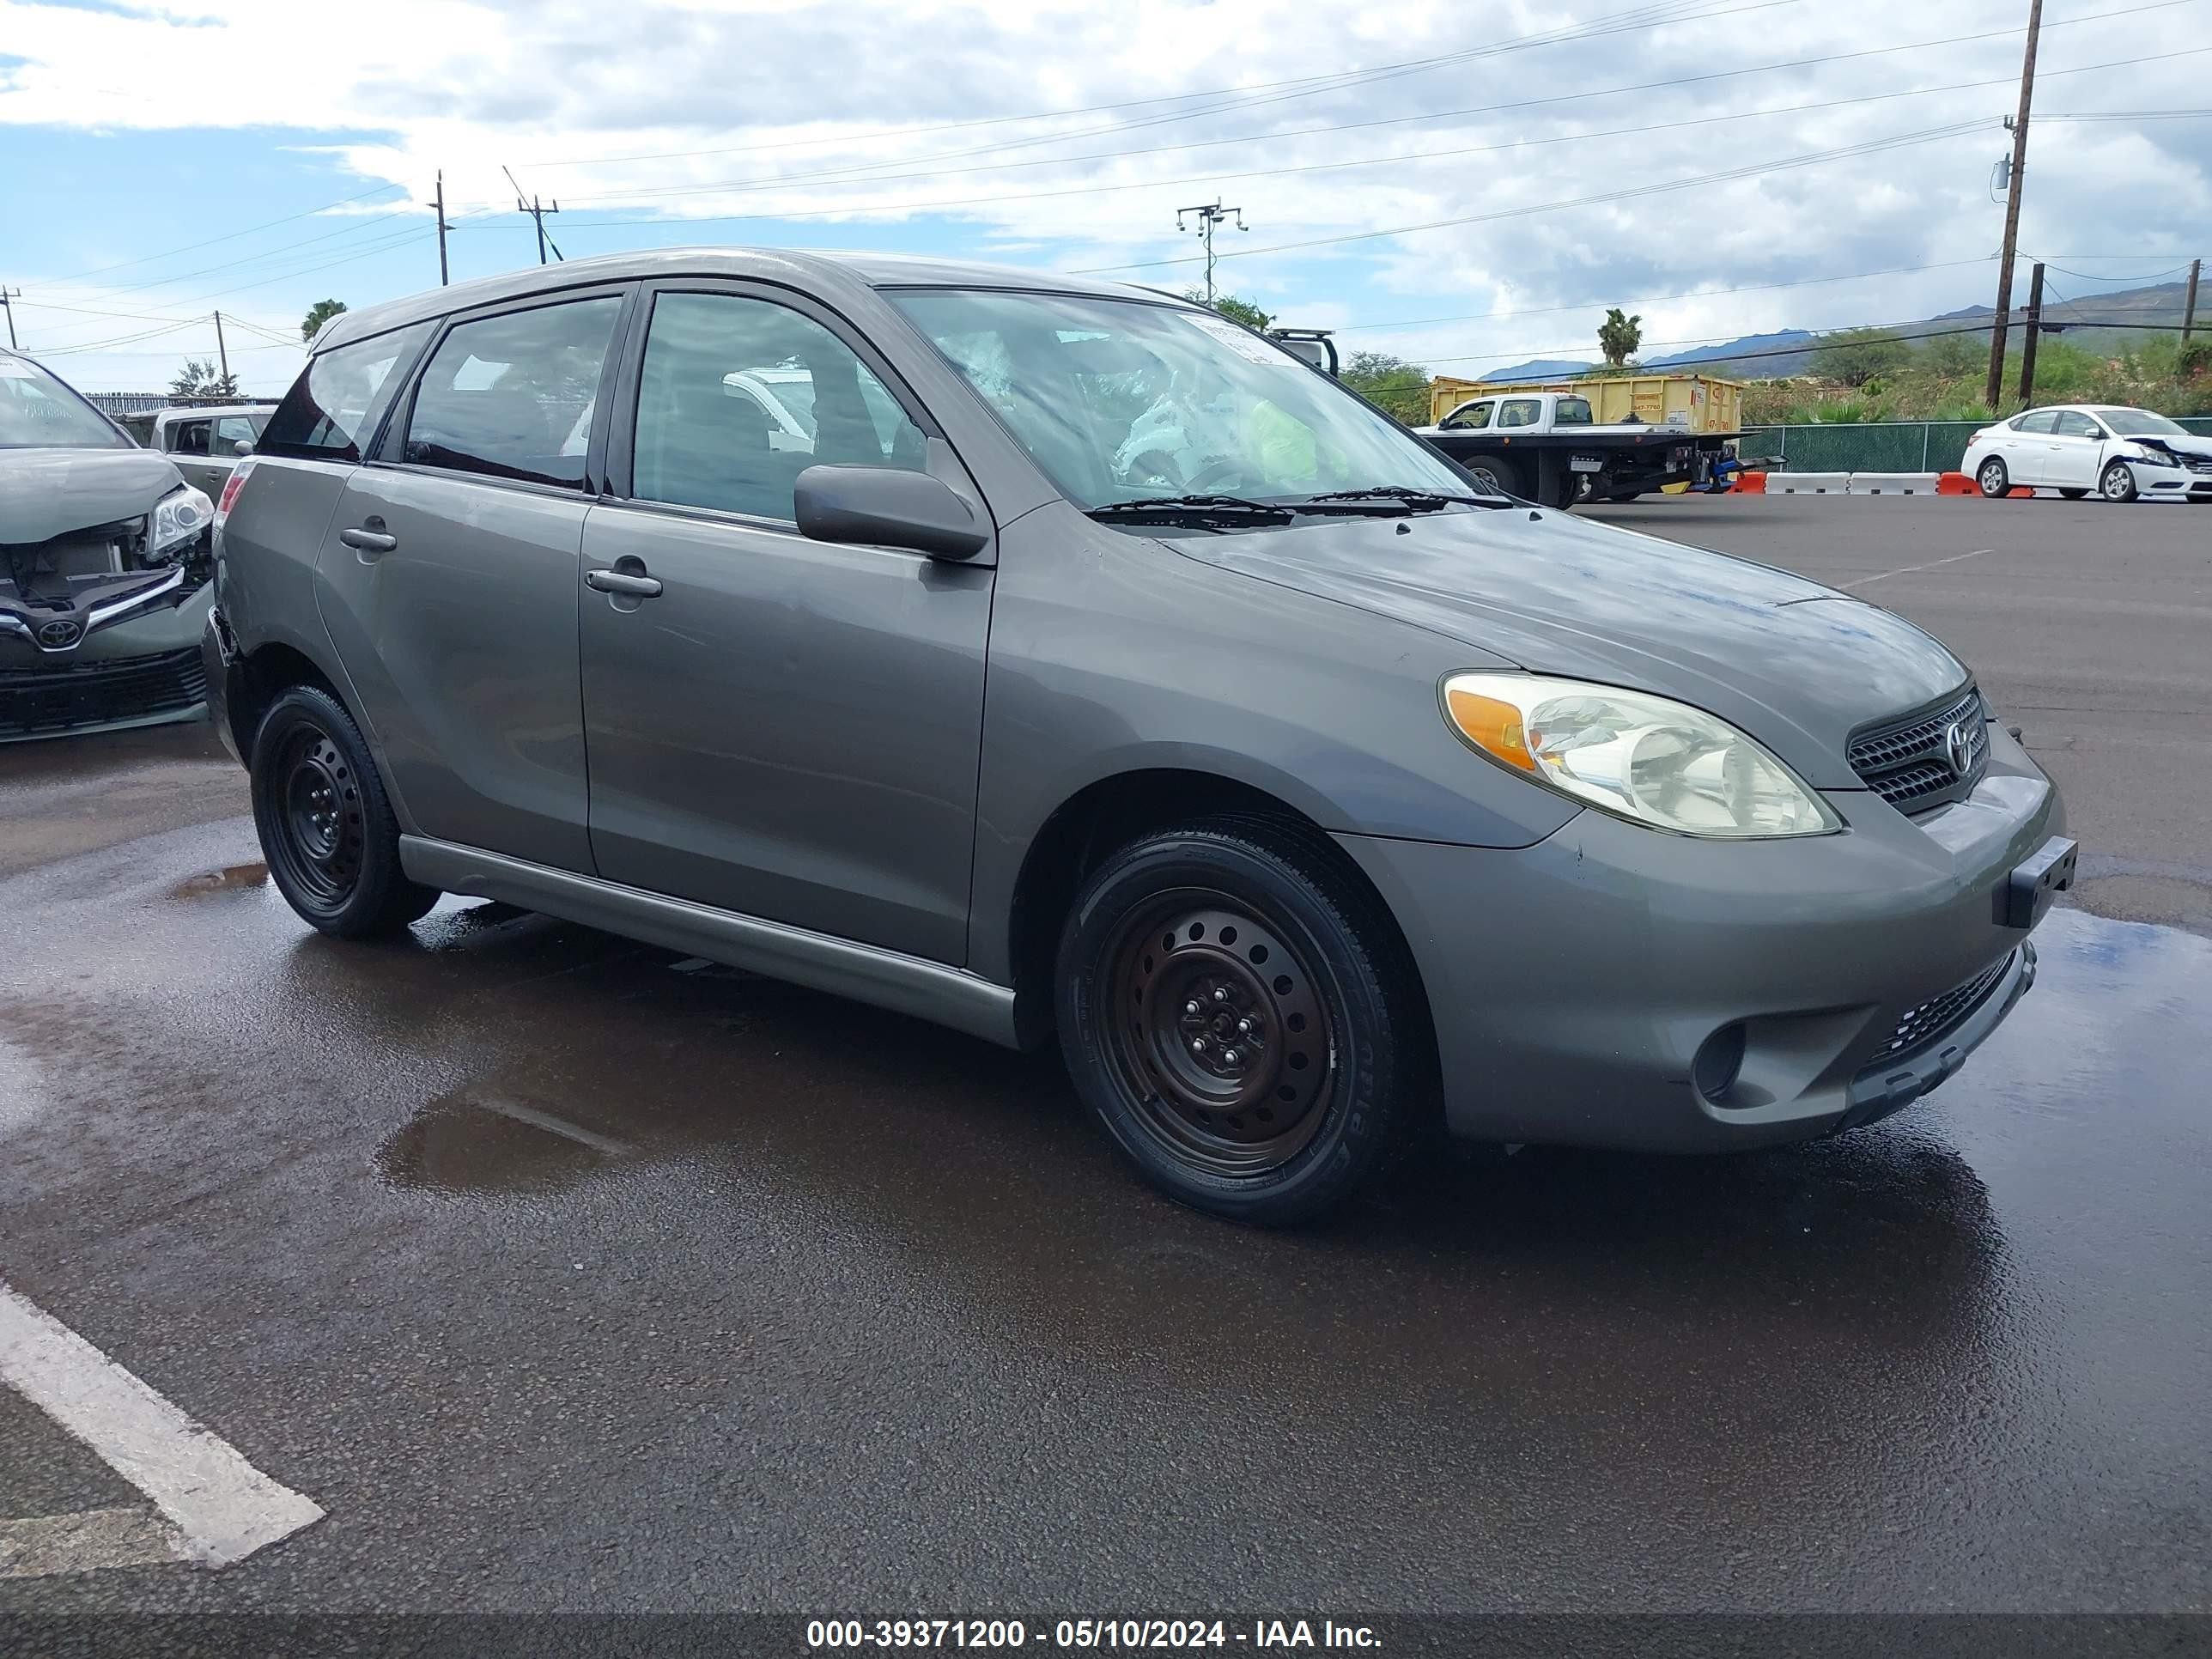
224,1509
1908,569
86,1543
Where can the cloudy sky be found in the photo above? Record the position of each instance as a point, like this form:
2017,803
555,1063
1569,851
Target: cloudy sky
1465,182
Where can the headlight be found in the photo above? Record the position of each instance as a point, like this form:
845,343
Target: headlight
178,517
2151,458
1648,758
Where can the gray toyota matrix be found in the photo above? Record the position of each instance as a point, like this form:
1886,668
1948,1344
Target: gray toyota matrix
1043,657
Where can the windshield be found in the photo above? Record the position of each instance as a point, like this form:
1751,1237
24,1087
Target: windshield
2141,423
37,411
1118,400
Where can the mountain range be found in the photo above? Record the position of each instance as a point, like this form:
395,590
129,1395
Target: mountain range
2094,323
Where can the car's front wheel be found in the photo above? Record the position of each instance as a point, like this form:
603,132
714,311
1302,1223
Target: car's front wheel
1994,479
2119,483
327,827
1240,1014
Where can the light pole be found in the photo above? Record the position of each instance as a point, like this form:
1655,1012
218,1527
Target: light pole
1209,215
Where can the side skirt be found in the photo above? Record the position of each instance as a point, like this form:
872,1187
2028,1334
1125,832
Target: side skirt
888,979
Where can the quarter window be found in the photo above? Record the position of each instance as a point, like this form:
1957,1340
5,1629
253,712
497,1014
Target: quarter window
511,395
335,403
739,396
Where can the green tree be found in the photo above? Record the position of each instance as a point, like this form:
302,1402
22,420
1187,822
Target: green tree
319,314
1956,354
1397,385
1856,355
199,382
1619,337
1236,308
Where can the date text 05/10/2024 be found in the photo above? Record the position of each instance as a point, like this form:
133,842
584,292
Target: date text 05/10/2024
1259,1635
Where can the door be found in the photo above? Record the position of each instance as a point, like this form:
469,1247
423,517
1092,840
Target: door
2028,447
777,726
190,446
449,579
2077,445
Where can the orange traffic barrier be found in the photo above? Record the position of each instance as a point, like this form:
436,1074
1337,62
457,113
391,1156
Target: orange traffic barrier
1750,483
2020,493
1956,483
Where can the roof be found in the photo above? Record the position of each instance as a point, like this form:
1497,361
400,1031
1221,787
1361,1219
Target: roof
824,274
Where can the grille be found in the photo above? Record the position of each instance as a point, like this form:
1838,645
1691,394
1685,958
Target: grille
37,700
1939,1016
1908,762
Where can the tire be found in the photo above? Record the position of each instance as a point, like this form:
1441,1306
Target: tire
2117,485
1994,479
1495,474
325,823
1244,1021
2073,495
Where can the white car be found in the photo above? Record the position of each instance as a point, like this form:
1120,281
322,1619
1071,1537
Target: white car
2124,454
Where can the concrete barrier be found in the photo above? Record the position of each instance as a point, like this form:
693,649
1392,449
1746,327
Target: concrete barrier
1891,484
1808,484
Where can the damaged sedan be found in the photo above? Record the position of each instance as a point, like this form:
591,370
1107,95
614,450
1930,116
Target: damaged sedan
104,561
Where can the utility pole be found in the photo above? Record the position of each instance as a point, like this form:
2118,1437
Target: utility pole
536,211
1996,389
8,294
443,227
2034,333
2188,306
1209,215
222,354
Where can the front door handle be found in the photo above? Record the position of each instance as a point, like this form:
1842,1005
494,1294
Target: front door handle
363,539
630,584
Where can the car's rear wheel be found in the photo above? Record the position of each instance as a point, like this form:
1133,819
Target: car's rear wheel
2119,483
327,827
1239,1013
1994,479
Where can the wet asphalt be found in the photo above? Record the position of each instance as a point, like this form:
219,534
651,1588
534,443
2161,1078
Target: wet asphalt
564,1273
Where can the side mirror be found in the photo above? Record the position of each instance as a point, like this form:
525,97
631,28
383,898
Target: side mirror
241,447
888,507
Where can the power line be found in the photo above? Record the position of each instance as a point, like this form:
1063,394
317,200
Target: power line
228,236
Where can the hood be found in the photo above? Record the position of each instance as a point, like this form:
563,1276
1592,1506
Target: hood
45,493
2195,449
1797,665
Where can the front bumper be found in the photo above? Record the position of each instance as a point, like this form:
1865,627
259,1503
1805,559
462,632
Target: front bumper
1573,984
142,672
2171,484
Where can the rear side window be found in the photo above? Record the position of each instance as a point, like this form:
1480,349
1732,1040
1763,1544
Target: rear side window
232,430
511,395
335,406
1519,411
1571,411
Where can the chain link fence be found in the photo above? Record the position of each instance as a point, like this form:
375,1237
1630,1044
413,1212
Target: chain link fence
1877,445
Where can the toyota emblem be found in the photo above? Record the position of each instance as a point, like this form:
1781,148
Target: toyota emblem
1958,747
58,635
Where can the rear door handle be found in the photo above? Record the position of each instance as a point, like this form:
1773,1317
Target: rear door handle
623,583
366,540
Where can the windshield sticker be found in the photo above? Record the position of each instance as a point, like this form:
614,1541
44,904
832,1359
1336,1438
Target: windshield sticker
1244,344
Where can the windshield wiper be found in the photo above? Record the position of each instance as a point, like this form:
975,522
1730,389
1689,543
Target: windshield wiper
1205,512
1415,500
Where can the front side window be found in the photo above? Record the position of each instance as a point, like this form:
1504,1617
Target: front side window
2041,420
334,406
191,438
511,395
1121,400
38,411
1520,412
2074,424
1470,417
737,396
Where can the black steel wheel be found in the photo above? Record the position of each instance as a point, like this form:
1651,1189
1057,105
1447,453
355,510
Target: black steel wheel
327,827
1240,1012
